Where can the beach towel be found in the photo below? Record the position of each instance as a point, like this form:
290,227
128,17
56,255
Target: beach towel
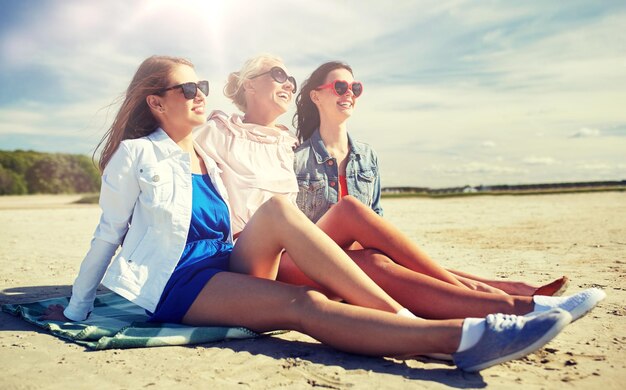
118,323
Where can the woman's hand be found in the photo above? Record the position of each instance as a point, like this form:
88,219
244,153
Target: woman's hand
54,313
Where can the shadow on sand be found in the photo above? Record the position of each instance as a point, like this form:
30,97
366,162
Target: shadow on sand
294,353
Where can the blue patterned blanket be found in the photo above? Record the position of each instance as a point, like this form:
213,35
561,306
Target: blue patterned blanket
117,323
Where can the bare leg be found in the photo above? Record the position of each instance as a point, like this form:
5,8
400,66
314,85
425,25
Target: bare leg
350,220
512,287
278,224
262,305
476,285
423,295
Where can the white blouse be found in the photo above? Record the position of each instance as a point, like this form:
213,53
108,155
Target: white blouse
256,162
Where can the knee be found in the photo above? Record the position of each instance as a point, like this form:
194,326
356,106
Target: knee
377,259
349,201
311,298
350,204
306,302
279,205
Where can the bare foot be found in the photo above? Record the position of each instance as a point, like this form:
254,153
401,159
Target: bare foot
555,288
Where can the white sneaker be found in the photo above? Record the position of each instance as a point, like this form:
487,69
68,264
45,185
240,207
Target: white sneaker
577,305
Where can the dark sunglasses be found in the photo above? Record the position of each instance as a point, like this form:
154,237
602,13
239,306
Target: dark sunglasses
280,76
340,87
190,89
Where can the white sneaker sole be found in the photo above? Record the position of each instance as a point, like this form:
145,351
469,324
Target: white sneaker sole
582,309
586,306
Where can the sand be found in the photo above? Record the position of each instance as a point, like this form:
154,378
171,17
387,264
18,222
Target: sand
534,238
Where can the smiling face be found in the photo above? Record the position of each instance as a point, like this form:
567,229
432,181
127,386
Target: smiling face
173,109
331,106
265,93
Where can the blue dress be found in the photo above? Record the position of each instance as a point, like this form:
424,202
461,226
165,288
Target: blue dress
206,252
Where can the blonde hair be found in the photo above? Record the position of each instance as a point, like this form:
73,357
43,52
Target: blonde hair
234,89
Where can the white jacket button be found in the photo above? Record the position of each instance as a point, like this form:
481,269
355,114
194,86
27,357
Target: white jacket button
156,178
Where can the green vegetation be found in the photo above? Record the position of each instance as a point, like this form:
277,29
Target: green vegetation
29,172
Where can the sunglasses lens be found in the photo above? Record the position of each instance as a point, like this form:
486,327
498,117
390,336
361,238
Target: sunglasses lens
204,87
278,74
341,87
189,90
357,89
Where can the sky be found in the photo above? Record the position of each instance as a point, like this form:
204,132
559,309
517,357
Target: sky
455,92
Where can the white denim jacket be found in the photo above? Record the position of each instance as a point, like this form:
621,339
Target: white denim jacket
145,198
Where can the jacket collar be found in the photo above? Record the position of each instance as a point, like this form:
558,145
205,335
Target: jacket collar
163,142
322,155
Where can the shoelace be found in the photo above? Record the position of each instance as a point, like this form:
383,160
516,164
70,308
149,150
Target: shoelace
501,321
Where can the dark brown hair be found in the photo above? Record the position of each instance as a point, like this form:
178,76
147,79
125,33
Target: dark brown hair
307,117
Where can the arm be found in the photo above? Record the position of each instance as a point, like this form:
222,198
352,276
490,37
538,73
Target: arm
118,195
90,275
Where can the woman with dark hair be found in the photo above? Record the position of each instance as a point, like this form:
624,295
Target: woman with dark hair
330,164
162,200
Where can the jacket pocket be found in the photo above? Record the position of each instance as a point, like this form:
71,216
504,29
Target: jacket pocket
365,187
312,197
148,247
156,183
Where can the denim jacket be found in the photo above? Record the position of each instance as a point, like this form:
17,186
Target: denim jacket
318,176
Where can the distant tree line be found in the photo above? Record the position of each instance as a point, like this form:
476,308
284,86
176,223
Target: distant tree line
29,172
614,185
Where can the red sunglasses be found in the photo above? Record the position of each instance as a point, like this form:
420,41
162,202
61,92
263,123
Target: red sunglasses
341,87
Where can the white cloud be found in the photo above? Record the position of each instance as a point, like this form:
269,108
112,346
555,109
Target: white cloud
586,132
493,36
80,119
533,160
447,83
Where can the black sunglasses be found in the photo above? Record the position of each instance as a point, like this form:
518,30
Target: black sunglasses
190,89
280,76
